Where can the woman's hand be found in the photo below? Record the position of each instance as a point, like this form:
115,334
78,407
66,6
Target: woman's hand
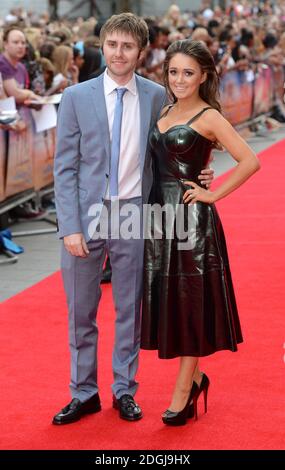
74,70
196,193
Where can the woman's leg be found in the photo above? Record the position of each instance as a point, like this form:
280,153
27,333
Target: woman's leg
197,376
188,366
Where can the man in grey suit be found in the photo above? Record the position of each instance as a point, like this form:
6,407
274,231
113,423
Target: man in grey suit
101,156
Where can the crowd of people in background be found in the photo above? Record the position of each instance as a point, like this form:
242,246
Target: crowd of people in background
40,57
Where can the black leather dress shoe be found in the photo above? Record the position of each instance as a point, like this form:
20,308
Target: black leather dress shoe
76,409
127,407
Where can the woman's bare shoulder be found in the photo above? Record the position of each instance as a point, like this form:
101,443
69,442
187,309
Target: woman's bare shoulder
212,113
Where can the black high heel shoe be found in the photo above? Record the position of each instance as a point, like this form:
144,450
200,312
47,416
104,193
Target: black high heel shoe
193,408
179,418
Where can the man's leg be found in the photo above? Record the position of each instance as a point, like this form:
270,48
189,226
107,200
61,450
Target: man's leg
81,278
127,269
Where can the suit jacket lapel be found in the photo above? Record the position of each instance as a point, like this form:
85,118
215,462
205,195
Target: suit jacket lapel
98,98
145,116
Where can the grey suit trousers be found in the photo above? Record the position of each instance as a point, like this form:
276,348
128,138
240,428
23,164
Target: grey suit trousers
82,278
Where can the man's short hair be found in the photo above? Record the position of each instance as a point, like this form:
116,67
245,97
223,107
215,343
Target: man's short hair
127,23
8,30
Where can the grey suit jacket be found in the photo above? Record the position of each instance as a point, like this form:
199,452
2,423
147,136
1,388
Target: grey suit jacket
82,158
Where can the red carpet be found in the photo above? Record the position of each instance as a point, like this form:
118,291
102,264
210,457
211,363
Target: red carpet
246,395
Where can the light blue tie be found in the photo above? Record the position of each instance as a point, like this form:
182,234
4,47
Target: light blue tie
116,139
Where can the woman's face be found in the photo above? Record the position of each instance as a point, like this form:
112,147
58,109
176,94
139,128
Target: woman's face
214,47
185,76
174,12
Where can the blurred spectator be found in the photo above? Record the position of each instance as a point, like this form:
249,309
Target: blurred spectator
92,41
14,73
85,30
35,72
155,55
164,37
35,37
78,58
213,28
98,27
17,124
47,50
92,63
270,40
175,36
275,57
208,14
66,71
281,44
216,51
97,30
48,73
201,34
64,35
173,18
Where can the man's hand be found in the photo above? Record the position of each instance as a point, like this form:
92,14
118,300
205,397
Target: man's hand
76,245
196,193
206,177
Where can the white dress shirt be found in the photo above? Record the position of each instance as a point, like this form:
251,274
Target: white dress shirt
129,177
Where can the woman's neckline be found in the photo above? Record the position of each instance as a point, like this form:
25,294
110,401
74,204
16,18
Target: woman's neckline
190,128
186,125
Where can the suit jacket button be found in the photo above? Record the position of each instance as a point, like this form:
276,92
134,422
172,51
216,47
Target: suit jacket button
107,176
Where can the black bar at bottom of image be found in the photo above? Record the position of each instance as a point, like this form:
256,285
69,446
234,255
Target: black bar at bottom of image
127,458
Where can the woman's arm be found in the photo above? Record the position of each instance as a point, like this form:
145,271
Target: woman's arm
247,161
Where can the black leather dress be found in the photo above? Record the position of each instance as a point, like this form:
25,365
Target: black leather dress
189,306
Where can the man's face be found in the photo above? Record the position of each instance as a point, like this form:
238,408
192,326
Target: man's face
121,52
163,41
15,46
